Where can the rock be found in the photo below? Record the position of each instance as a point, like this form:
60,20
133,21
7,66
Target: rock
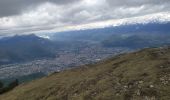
125,86
165,82
151,86
140,82
130,86
75,94
161,66
138,92
117,94
162,79
139,86
149,98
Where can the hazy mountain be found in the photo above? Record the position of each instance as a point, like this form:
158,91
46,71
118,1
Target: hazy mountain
134,36
25,48
99,34
137,40
136,76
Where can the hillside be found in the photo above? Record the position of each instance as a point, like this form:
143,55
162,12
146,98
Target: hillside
142,75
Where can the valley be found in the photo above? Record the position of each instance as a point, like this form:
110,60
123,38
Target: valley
141,75
65,59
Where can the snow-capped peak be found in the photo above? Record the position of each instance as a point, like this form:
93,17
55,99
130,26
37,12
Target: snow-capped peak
161,17
44,36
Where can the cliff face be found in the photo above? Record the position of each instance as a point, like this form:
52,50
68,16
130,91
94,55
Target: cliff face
142,75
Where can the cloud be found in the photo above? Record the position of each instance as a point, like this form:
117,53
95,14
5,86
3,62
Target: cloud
130,3
22,16
14,7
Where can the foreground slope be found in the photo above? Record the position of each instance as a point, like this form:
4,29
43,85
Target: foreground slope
143,75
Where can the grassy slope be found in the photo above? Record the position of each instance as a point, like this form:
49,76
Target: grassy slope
142,75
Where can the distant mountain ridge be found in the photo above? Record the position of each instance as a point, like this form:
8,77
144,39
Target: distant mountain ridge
21,48
102,33
135,36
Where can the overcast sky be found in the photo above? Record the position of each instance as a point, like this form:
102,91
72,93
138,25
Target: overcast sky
21,16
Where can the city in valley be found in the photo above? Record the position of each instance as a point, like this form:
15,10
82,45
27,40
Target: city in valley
65,59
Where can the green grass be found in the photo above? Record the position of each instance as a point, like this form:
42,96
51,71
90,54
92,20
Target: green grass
134,76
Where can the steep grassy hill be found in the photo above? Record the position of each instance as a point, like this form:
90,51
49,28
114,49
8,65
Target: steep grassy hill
143,75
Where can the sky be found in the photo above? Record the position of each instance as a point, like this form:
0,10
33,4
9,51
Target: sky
29,16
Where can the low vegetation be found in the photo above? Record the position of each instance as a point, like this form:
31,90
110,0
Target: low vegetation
9,87
142,75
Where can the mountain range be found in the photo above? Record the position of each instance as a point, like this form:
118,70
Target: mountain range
25,48
21,48
133,36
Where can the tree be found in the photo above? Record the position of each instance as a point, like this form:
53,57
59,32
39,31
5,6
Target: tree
9,87
1,85
13,84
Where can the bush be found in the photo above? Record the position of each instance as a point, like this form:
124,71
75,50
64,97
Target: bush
11,85
1,85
